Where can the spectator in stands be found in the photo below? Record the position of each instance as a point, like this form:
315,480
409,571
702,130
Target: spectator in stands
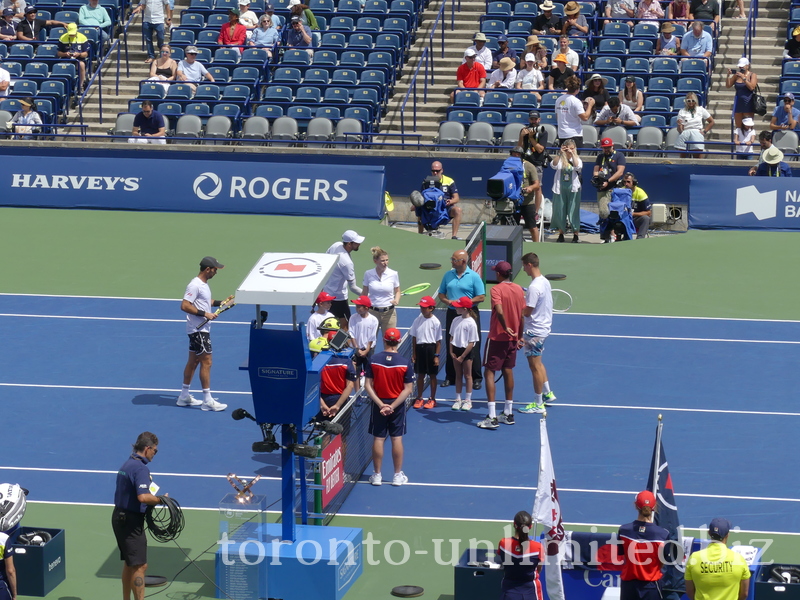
785,116
533,141
765,141
532,46
503,52
483,55
265,36
94,15
648,11
470,74
744,82
575,23
5,82
620,10
29,28
307,18
667,44
573,60
233,33
571,113
190,70
557,78
26,119
277,20
148,126
247,17
164,68
18,7
642,207
678,12
567,191
697,42
529,77
75,46
630,95
792,47
153,22
8,30
616,113
504,76
705,10
772,164
694,122
744,137
547,23
299,36
596,89
609,166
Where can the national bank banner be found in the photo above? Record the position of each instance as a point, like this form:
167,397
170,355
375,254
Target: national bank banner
744,202
245,186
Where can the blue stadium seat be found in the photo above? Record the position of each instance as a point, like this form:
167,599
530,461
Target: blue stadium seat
216,21
644,47
308,95
269,111
336,95
660,84
46,109
495,100
524,100
664,65
498,9
37,69
549,100
227,109
690,84
295,57
220,74
333,39
225,5
66,16
549,118
791,69
236,93
25,87
657,103
645,31
321,7
207,92
207,37
278,93
519,28
526,9
364,95
517,116
183,37
653,121
318,76
178,91
20,51
587,9
151,91
247,75
637,65
170,110
467,98
12,105
376,6
348,6
207,5
13,68
461,116
493,27
351,58
329,112
340,23
402,6
612,46
359,40
373,76
56,90
517,44
380,59
193,21
359,114
228,56
368,24
695,66
326,58
390,40
615,29
344,77
47,51
790,86
607,63
299,113
286,75
44,14
259,56
203,55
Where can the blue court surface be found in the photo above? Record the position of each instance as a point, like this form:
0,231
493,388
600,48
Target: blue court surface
83,376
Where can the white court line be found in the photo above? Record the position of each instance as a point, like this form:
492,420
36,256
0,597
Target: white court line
675,339
147,320
100,387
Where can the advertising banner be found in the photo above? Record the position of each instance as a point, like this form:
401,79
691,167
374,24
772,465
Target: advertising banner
247,186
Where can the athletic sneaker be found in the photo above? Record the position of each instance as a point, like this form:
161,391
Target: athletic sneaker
189,401
376,479
399,479
214,405
466,405
533,408
549,397
488,423
418,403
430,403
505,419
456,405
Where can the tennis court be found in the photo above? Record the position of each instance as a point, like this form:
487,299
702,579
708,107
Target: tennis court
94,347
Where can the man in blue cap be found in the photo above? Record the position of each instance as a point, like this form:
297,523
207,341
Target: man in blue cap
717,572
503,52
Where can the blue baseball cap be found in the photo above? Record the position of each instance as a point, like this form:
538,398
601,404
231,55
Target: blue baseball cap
719,528
8,12
502,38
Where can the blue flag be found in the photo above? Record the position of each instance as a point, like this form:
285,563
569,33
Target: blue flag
660,483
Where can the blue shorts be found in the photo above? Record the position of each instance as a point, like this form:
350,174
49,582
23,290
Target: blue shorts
534,346
393,425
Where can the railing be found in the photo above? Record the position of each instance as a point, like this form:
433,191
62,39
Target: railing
412,89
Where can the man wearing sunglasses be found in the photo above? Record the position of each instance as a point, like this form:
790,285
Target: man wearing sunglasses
785,116
448,186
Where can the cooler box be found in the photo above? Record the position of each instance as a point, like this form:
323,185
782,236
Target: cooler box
40,568
767,586
503,242
477,582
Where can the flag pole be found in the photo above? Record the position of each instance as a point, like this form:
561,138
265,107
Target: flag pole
535,521
657,453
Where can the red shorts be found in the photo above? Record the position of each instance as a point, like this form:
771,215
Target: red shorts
500,355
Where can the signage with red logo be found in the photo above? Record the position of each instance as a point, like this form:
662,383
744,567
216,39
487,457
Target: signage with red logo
332,469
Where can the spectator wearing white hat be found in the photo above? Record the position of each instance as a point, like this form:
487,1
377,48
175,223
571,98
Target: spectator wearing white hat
529,77
744,137
744,82
471,74
247,17
505,76
483,55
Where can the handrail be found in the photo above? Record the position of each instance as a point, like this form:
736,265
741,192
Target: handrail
412,87
435,26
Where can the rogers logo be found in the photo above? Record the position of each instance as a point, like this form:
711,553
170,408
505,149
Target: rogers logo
201,179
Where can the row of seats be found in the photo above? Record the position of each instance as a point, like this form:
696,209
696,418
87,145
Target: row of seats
519,116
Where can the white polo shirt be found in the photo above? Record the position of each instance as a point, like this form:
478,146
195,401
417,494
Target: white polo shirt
381,289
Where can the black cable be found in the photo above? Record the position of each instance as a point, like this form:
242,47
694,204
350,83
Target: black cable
164,521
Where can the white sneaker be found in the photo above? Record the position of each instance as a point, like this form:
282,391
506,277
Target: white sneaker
399,479
456,405
466,405
376,479
214,405
188,401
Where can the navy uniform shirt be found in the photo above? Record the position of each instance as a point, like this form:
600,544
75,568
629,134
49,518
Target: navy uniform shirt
6,551
642,544
335,374
133,478
151,124
389,373
520,559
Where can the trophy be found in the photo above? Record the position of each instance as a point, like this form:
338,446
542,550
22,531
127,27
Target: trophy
243,494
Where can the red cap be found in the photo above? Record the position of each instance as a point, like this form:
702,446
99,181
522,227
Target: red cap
427,301
362,301
645,498
325,297
463,302
502,267
606,143
392,335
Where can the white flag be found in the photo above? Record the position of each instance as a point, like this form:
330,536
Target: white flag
547,511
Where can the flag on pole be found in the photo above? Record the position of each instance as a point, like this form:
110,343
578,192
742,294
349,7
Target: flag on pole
547,511
660,483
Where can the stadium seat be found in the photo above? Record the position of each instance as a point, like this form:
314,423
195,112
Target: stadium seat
498,9
359,40
47,51
308,95
790,86
526,9
269,111
192,21
246,75
644,47
326,58
351,58
321,7
225,5
151,91
340,23
493,27
20,51
657,103
25,87
123,126
226,56
218,127
479,134
367,95
259,56
645,30
653,121
182,37
368,24
694,66
220,74
14,68
295,57
791,69
317,76
189,126
590,136
332,39
344,77
517,116
284,129
495,100
462,116
236,93
664,65
216,21
360,114
329,112
287,75
451,133
255,128
786,141
206,5
607,63
348,6
36,69
524,100
467,98
319,129
689,84
520,28
349,125
615,29
380,59
612,46
660,84
66,16
278,93
373,76
171,111
649,138
336,95
207,37
549,100
637,65
376,6
618,134
199,109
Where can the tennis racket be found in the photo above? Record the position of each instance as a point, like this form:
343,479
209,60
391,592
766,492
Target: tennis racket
562,301
415,289
226,305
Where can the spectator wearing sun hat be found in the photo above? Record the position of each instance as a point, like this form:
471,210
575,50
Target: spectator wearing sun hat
596,90
547,23
534,46
504,76
575,23
792,47
503,52
642,552
772,164
470,74
557,78
717,572
668,44
483,55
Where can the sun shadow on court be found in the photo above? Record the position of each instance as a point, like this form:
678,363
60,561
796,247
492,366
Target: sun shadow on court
446,597
443,414
154,400
168,562
271,462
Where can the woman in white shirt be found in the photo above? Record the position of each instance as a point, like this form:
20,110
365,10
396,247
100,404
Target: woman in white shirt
504,76
567,191
694,122
382,287
530,78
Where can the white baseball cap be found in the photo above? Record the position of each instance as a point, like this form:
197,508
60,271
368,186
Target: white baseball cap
470,52
530,57
743,62
352,236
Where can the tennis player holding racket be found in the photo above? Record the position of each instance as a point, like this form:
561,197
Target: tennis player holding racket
197,304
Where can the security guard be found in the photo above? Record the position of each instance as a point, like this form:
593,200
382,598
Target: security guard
717,573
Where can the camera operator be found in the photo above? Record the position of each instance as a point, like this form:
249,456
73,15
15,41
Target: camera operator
642,207
531,193
608,170
533,141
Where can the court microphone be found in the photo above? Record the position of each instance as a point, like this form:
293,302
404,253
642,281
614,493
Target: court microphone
303,450
240,414
331,427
